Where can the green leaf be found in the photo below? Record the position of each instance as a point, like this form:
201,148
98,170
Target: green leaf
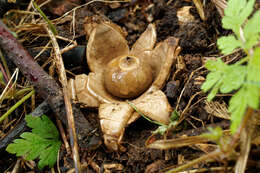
253,79
19,147
246,10
214,91
215,65
244,78
225,78
252,30
174,116
38,143
211,79
216,68
233,78
254,66
227,44
253,95
49,156
236,13
248,95
237,107
42,126
161,130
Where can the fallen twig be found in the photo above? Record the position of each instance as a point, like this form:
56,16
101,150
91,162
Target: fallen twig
68,107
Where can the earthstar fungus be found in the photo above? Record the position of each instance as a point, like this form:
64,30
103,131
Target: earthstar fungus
119,74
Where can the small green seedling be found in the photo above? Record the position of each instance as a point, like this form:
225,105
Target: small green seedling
162,129
213,134
43,142
241,78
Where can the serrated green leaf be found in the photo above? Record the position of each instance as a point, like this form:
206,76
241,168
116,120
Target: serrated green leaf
246,96
227,44
20,147
38,144
42,126
211,79
236,118
233,78
234,7
252,30
253,78
253,95
246,11
224,77
236,13
49,156
244,78
254,66
237,107
216,69
215,65
214,91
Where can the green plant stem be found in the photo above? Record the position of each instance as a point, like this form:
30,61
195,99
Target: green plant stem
22,92
19,93
204,158
16,105
51,26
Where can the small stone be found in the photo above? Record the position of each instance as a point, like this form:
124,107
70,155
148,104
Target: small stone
172,88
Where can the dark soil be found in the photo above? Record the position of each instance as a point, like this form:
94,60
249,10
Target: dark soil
198,42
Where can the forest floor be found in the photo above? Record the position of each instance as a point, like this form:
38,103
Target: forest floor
198,43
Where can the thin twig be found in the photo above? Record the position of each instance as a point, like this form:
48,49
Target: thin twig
204,158
70,118
63,136
7,86
192,73
200,10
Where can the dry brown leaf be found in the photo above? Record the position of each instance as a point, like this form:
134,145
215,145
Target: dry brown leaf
217,109
184,15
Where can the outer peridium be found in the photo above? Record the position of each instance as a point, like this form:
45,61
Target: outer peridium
106,43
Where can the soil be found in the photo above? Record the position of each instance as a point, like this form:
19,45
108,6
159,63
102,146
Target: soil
198,43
